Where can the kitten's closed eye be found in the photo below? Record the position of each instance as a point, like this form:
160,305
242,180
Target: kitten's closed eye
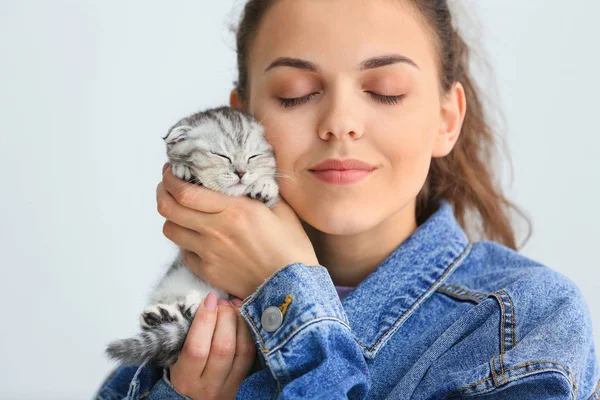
221,155
251,157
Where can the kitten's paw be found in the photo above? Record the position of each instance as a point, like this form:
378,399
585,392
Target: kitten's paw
182,171
159,314
265,190
191,304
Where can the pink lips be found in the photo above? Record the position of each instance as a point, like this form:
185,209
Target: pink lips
342,172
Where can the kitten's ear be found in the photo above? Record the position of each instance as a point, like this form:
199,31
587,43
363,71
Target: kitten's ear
177,134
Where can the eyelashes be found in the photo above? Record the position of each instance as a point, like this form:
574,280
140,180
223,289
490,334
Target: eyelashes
390,100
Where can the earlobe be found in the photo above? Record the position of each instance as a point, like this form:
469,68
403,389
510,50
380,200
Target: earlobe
235,101
453,111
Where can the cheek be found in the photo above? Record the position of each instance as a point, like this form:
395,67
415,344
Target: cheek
290,137
408,143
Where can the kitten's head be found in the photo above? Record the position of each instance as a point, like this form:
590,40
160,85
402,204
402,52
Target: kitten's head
224,149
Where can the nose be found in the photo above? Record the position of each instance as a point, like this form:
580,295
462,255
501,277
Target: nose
342,118
240,173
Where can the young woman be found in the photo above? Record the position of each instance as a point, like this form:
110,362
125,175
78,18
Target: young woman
380,89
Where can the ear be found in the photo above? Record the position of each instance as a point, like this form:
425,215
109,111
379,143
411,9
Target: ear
177,134
453,110
235,101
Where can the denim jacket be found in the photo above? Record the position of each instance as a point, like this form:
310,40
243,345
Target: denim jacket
440,318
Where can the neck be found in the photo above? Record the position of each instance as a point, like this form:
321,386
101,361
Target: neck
351,258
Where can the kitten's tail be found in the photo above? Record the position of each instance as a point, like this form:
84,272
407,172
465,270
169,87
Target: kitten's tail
160,344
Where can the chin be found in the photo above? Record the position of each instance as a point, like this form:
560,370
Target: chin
344,222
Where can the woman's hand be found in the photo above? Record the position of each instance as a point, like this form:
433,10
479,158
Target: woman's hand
218,352
234,243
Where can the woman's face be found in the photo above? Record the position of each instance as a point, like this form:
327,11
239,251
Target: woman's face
364,77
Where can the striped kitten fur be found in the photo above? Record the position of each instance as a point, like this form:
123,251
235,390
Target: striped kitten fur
223,149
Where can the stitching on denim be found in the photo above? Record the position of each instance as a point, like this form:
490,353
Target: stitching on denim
493,370
457,260
299,328
475,293
594,395
503,321
285,373
458,295
251,300
523,375
279,385
569,377
255,296
512,321
144,395
514,318
506,309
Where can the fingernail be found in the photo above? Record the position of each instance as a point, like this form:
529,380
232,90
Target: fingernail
165,167
210,303
236,302
223,302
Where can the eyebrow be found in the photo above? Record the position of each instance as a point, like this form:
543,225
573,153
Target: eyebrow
374,62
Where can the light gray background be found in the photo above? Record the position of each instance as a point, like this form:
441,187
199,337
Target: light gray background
87,88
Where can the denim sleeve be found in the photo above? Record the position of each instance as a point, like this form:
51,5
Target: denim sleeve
312,354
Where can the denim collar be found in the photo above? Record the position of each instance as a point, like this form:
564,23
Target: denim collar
384,300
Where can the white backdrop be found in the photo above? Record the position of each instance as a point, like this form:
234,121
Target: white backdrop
87,88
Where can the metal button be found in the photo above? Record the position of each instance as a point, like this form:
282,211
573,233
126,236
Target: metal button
271,319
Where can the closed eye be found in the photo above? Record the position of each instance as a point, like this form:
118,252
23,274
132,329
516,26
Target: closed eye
391,100
251,157
221,155
292,102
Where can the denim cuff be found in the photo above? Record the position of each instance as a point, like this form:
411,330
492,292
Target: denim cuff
164,389
305,294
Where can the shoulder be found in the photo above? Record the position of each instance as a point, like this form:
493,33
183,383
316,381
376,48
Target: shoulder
543,317
490,267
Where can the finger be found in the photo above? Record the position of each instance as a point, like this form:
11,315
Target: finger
195,196
183,237
245,352
194,354
222,348
169,208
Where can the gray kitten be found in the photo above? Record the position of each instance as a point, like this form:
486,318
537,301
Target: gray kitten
223,149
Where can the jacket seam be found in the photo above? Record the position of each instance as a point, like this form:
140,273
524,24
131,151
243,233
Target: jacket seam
457,260
283,341
566,372
264,284
255,296
285,373
499,296
513,317
462,293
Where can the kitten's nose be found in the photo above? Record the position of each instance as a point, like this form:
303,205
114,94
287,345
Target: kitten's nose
240,173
